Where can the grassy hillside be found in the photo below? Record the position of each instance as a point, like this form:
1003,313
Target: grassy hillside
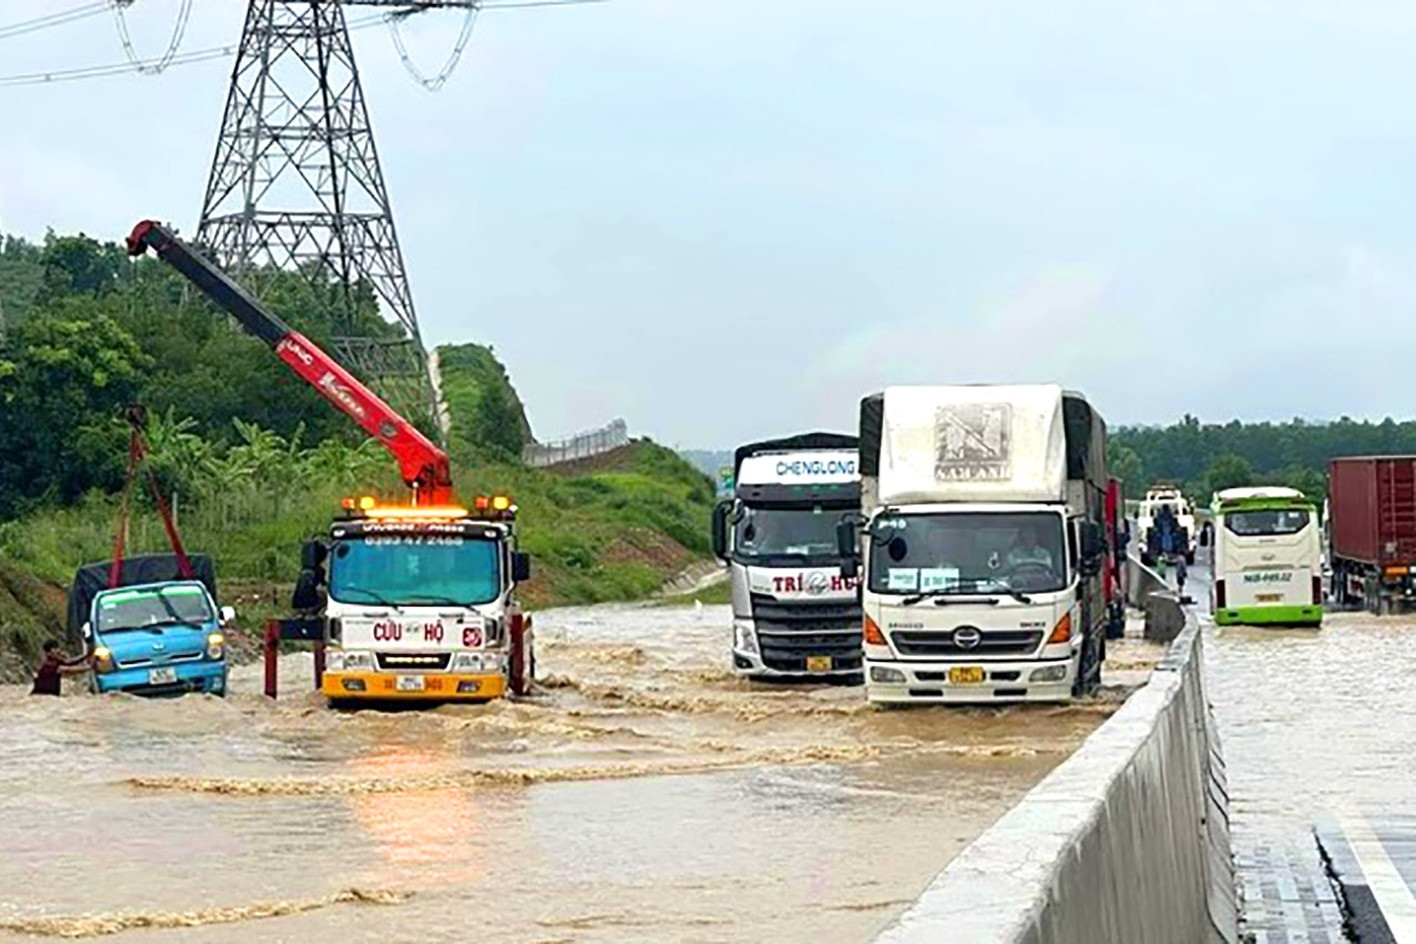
487,415
615,534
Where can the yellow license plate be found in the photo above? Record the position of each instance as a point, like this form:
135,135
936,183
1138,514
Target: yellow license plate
818,663
966,675
1268,597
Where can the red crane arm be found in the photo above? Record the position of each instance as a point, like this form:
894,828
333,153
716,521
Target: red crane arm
424,466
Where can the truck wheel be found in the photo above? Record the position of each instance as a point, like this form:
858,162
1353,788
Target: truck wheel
1147,559
1190,557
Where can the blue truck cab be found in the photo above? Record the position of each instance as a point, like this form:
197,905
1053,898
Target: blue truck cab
158,638
152,624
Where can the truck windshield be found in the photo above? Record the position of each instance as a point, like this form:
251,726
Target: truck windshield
795,533
411,570
1266,522
968,552
152,607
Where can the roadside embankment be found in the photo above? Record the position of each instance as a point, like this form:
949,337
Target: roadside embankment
1125,841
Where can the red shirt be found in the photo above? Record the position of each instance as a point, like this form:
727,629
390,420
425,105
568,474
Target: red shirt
46,679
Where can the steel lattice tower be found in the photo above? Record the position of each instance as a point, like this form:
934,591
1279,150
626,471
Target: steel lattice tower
296,183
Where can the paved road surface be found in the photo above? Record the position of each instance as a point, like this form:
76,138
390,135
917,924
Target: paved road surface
1318,731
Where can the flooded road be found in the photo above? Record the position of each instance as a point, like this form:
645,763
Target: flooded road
643,793
1317,728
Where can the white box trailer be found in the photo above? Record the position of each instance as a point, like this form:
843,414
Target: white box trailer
984,539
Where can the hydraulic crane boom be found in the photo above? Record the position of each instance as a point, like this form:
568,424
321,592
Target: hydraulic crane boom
423,464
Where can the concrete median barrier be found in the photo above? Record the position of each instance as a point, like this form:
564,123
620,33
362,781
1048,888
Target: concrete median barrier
1126,842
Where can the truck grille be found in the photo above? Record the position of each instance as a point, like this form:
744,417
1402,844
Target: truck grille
414,661
1006,642
774,615
787,652
169,660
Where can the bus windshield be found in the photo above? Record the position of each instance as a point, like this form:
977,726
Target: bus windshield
1266,522
413,570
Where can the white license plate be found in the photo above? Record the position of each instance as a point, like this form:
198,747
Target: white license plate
162,676
410,683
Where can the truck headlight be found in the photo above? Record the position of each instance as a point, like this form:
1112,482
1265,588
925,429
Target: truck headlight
744,639
336,660
102,659
1051,673
885,675
215,646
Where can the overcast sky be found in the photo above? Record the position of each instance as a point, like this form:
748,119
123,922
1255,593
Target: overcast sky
725,219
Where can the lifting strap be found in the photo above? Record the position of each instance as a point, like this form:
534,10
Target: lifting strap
138,455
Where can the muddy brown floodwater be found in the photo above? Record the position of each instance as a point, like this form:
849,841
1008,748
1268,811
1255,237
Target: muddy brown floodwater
643,794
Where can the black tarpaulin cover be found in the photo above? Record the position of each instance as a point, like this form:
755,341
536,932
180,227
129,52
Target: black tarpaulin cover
144,568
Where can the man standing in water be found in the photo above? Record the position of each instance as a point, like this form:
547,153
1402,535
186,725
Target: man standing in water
47,676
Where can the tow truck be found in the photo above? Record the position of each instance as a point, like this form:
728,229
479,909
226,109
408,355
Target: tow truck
404,601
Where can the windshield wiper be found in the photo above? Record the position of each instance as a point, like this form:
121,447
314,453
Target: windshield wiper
970,594
434,599
374,595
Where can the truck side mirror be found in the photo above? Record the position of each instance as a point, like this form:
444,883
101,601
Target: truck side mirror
847,541
520,567
87,630
313,554
721,511
228,615
1093,540
308,595
850,568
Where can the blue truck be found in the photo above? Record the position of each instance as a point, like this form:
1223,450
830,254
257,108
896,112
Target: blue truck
156,630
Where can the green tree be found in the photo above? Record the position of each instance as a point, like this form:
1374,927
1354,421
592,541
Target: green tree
1228,471
1127,466
63,386
79,265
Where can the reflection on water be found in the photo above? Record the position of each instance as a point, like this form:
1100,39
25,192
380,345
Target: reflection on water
791,813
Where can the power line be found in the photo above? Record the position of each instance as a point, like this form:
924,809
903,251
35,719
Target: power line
179,31
395,29
146,66
473,7
54,19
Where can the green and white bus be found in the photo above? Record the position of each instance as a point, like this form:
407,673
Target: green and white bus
1267,557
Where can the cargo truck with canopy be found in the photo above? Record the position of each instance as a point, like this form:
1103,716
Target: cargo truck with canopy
983,512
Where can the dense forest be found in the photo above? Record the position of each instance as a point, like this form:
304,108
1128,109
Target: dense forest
1205,457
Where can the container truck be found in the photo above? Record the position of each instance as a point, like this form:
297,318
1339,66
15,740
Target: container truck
1372,531
1267,557
794,613
982,544
411,600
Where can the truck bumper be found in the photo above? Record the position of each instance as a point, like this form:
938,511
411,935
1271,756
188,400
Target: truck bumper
209,677
429,687
1292,615
748,664
907,683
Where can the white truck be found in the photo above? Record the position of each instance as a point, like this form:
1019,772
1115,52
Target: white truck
984,539
794,613
419,603
1162,500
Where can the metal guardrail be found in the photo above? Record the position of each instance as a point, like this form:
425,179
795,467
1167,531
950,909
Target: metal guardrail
580,446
